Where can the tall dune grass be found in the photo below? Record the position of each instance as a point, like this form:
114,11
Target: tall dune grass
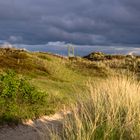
110,110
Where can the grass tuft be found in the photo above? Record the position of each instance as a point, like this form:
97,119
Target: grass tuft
110,110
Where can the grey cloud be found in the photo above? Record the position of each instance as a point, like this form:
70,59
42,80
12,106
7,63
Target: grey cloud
92,22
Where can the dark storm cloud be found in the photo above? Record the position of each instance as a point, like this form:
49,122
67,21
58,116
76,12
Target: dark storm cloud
75,21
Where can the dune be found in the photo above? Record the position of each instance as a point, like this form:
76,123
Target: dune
33,130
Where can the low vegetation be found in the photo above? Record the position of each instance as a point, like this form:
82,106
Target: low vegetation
33,84
110,110
127,63
19,99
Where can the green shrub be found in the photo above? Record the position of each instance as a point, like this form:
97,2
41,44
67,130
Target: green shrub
19,99
97,56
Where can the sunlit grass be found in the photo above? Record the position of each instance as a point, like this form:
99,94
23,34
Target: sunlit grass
110,110
64,79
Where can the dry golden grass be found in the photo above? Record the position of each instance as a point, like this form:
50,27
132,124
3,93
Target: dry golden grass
110,110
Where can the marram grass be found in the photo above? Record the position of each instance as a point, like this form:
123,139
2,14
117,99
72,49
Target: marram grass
110,110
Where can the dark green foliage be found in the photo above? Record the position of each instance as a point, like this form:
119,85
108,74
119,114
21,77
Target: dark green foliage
19,99
97,56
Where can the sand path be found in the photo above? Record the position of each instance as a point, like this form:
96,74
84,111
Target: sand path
33,130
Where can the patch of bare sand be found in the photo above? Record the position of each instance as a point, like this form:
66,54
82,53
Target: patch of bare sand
34,130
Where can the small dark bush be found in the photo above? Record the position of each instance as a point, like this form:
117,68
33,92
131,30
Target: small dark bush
97,56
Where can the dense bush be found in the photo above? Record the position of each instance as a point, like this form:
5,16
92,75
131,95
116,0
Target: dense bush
19,99
97,56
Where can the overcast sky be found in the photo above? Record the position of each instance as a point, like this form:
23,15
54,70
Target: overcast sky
83,22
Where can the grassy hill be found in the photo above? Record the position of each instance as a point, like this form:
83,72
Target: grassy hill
61,78
33,84
130,63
